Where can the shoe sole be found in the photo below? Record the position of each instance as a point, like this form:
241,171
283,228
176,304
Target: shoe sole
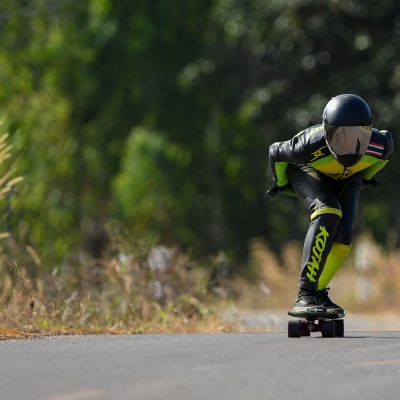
309,309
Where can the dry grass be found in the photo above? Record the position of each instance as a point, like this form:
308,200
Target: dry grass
275,284
129,290
58,310
370,279
161,290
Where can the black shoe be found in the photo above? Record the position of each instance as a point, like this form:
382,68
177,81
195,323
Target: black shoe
308,301
328,303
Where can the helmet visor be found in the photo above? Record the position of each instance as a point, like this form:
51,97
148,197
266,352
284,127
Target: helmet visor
345,140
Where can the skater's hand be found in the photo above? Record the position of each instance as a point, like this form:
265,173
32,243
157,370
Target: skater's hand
372,182
286,190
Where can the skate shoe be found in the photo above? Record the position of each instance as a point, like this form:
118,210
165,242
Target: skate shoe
308,301
328,303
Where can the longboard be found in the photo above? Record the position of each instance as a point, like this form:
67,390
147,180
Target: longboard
329,324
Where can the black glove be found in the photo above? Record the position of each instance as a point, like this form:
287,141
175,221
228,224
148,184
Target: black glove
273,191
371,182
287,190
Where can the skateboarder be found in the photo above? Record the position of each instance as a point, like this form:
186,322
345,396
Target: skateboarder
326,166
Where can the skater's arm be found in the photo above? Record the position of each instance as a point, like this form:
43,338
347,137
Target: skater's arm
280,155
369,173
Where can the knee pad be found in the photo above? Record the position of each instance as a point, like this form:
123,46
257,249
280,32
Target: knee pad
326,210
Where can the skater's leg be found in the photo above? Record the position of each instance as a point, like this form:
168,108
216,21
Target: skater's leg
325,213
342,244
317,246
344,234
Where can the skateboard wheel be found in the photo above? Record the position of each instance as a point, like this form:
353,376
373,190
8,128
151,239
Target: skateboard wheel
339,328
294,329
328,328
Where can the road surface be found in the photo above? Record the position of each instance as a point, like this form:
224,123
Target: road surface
362,365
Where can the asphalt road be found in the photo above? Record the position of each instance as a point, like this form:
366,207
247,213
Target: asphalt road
362,365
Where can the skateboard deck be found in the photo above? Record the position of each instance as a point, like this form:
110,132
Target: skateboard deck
315,315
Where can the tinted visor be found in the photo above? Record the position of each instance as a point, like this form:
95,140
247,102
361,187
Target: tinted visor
346,140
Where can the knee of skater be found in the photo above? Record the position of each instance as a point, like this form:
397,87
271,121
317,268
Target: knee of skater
329,222
344,235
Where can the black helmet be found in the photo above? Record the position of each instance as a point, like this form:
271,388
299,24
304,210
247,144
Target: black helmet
347,122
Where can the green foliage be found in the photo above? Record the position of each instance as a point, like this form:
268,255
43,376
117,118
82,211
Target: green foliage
149,195
162,116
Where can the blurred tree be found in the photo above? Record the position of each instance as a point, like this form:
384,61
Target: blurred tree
166,113
265,71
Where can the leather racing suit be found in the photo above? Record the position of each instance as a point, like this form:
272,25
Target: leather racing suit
304,166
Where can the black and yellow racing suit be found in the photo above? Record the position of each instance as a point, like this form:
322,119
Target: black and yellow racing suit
304,166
